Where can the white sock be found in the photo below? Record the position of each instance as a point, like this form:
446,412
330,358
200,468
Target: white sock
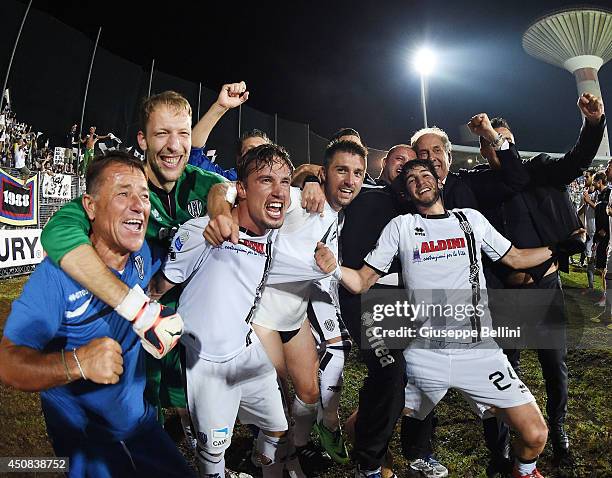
330,383
273,451
304,415
525,468
211,464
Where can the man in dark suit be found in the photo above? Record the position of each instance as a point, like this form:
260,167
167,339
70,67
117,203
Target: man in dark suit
542,213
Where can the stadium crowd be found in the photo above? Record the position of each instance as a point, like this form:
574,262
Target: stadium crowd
261,272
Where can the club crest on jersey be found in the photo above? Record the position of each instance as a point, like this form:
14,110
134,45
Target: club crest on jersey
329,325
255,246
419,231
139,264
219,436
195,208
442,245
203,438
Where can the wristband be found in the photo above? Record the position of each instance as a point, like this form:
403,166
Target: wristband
132,304
311,179
78,364
337,274
68,377
231,193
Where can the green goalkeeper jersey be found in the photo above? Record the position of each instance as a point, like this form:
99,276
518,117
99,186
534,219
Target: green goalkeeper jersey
69,227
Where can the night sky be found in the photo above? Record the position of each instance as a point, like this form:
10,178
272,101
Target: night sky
335,64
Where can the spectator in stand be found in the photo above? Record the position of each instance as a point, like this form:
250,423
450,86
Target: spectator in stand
590,195
68,169
588,191
71,142
20,154
90,144
602,239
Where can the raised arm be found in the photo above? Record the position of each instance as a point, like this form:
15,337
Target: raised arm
231,96
507,175
564,170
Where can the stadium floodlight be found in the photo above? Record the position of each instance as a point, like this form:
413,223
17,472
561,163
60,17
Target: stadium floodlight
579,40
424,62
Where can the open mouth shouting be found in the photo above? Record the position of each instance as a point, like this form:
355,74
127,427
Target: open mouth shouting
274,209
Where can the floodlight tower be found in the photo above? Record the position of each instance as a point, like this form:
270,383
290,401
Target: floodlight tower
579,40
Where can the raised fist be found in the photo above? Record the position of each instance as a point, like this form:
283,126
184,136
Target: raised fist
480,125
101,360
233,95
591,107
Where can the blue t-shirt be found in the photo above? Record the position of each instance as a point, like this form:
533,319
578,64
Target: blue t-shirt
197,157
54,312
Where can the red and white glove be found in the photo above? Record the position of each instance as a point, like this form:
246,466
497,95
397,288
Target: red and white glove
159,327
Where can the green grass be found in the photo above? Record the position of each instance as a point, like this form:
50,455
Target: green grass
458,444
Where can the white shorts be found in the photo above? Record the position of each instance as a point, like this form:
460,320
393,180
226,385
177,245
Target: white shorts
283,306
324,317
245,387
484,377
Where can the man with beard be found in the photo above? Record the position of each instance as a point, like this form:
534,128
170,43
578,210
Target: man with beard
428,358
228,372
280,320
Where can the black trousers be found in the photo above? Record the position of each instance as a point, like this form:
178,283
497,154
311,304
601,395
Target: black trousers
381,398
552,361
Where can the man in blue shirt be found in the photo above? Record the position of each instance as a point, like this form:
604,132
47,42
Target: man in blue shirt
84,358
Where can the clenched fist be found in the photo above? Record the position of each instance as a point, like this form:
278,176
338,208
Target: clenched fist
101,360
325,258
480,125
591,107
233,95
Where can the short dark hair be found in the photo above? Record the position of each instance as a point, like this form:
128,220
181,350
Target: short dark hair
344,132
415,163
601,176
252,133
260,157
499,122
350,147
93,176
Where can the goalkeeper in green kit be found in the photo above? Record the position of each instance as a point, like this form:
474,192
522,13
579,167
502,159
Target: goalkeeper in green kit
178,192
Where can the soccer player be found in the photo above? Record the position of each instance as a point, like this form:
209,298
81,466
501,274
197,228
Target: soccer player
178,193
429,369
228,371
85,358
280,320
